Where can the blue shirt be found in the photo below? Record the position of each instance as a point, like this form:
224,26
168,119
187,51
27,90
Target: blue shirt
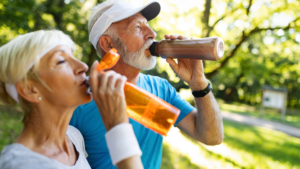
88,121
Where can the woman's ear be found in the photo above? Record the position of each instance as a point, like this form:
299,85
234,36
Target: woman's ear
106,43
28,91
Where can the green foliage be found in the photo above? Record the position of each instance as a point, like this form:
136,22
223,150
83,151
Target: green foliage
248,72
261,41
11,126
71,17
261,38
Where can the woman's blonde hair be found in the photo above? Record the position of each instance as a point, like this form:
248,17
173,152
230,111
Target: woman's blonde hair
19,60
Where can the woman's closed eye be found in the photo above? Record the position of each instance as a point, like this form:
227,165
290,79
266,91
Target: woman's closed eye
61,62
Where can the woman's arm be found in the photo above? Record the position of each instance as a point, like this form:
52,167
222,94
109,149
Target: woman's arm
108,93
133,162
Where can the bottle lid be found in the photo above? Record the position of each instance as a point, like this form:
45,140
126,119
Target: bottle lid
220,48
109,60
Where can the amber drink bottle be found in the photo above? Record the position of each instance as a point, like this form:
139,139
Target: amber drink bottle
142,106
211,48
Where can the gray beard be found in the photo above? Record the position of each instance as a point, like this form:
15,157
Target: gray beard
136,59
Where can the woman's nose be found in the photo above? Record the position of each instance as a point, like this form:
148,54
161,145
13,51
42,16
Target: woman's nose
81,67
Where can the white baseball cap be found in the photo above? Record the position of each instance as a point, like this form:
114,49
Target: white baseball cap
120,11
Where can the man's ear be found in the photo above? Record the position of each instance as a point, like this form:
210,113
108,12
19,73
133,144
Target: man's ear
106,43
28,91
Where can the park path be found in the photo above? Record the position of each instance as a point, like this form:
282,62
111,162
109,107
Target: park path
254,121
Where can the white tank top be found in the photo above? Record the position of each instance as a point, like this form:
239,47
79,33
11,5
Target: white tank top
17,156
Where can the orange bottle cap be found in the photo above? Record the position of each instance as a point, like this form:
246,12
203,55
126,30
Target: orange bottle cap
109,60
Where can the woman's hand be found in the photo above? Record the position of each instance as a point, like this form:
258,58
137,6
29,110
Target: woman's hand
108,93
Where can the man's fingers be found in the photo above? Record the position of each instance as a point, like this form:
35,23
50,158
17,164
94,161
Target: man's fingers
167,37
173,64
93,79
182,37
173,37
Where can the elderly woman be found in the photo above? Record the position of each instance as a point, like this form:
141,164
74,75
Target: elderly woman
40,72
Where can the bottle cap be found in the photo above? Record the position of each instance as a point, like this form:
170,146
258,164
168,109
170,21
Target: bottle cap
109,60
220,48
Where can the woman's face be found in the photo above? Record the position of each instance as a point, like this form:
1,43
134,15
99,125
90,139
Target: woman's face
65,76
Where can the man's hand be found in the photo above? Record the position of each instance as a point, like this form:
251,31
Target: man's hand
108,93
189,70
204,123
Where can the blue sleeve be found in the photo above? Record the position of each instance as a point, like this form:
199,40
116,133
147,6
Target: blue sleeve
88,121
175,100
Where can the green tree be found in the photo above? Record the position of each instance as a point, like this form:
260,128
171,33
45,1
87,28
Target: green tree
260,41
22,16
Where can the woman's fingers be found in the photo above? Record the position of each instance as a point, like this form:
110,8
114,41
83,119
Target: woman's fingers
103,80
110,99
93,79
111,84
121,84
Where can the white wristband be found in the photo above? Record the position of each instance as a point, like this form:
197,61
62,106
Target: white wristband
122,143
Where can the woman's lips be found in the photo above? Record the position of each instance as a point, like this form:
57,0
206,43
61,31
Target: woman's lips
87,82
84,83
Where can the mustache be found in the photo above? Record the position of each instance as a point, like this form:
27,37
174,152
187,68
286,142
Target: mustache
147,44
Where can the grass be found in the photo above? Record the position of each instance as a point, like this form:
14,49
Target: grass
292,117
243,147
175,160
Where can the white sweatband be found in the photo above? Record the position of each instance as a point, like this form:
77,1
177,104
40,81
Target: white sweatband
11,88
122,143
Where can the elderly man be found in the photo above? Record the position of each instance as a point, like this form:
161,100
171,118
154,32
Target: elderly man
118,24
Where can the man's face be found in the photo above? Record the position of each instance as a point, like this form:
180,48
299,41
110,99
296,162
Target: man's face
133,42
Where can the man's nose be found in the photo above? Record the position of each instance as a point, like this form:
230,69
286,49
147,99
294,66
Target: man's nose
150,34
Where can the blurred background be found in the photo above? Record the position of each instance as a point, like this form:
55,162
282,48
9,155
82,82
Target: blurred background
262,50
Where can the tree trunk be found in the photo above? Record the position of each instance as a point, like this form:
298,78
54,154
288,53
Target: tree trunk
205,19
233,91
51,8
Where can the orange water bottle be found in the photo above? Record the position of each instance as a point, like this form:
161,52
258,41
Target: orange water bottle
142,106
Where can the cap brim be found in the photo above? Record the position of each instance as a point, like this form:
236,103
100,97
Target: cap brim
149,11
